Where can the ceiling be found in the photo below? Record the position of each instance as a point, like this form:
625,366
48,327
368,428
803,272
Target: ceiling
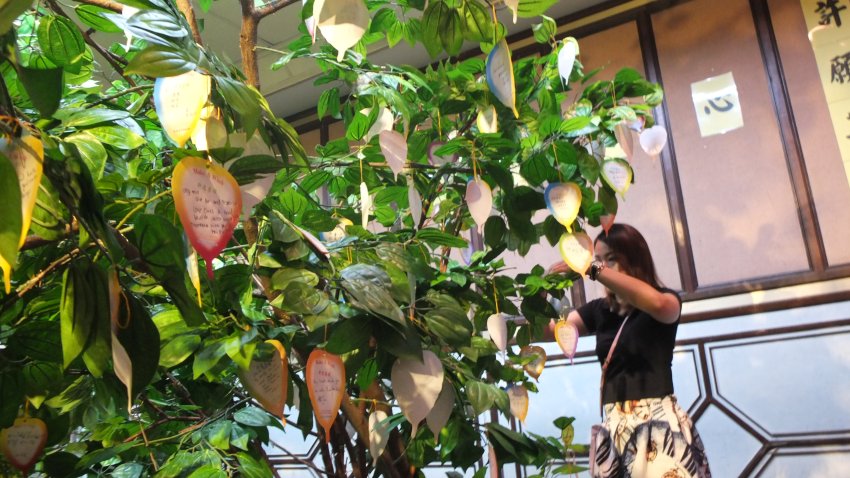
290,90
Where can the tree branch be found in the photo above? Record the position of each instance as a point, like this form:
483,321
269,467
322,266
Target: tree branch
107,4
106,99
273,7
185,7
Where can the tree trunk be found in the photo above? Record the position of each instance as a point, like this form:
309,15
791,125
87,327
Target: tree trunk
247,43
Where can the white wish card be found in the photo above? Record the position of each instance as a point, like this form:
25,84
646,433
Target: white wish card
717,105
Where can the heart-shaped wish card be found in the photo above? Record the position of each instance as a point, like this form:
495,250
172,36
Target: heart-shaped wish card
267,380
23,442
563,200
208,201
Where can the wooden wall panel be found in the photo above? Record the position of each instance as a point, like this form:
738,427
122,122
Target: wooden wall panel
739,202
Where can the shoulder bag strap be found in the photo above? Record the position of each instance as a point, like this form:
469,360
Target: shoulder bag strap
608,361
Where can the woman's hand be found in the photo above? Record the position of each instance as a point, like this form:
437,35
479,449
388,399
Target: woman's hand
559,268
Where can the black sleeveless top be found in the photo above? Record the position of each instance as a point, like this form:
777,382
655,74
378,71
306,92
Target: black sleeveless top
641,364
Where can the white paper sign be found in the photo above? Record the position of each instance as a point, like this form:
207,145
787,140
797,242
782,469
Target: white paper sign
717,105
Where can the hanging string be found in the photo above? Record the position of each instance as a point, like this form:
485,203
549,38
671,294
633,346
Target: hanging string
557,164
495,295
495,21
439,126
474,165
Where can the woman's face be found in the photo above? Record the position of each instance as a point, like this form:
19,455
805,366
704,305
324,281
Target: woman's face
604,255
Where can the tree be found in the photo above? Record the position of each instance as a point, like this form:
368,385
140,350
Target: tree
135,372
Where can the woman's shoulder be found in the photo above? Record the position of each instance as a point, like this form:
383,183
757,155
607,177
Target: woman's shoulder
667,290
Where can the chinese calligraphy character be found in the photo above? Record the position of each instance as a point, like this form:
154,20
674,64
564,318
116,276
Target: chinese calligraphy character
829,10
713,105
841,68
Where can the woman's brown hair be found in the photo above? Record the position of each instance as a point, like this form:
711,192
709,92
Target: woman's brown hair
631,252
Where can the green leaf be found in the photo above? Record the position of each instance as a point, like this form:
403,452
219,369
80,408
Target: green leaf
480,396
207,358
478,22
293,203
250,467
156,27
252,417
92,116
140,338
98,350
179,349
432,19
383,20
240,347
318,220
10,210
533,8
451,32
328,103
60,40
243,99
91,150
284,276
161,61
349,335
248,169
91,16
11,396
329,315
117,136
494,231
303,299
161,247
358,127
44,87
209,471
545,31
608,199
395,33
9,11
368,286
40,378
576,123
77,310
367,373
449,321
537,169
435,237
315,180
218,434
589,167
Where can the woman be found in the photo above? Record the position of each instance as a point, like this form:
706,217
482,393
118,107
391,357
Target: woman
652,436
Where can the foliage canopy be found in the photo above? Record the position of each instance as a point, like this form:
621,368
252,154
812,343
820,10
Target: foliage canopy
106,246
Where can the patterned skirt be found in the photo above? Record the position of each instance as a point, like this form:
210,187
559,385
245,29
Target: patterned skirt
648,438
